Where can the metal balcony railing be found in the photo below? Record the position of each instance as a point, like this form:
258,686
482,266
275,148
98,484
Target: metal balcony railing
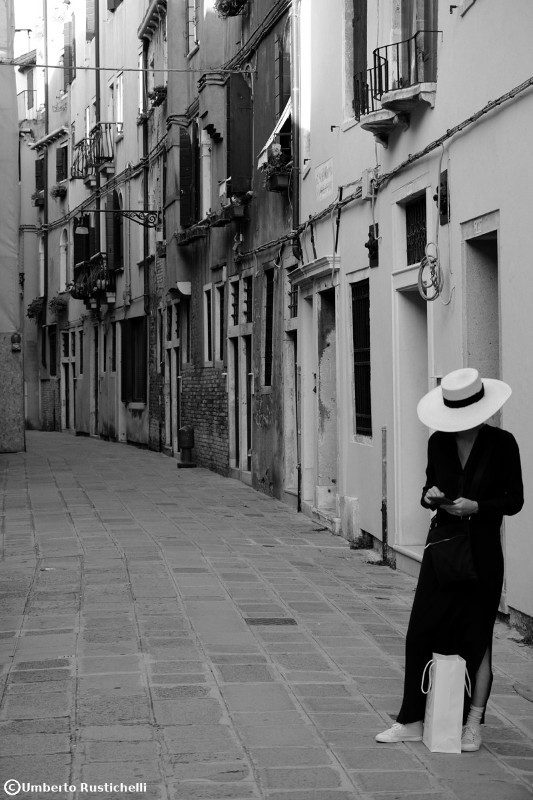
103,141
92,279
396,66
82,159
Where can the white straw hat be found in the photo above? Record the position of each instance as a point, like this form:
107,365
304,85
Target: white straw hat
462,401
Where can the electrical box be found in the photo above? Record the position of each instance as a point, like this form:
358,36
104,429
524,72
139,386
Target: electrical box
367,185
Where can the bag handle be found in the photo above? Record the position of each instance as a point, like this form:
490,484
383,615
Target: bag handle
428,670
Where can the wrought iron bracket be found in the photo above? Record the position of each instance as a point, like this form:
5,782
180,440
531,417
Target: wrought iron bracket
148,219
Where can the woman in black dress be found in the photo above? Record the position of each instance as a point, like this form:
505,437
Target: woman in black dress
459,618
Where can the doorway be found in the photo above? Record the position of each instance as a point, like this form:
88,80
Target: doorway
326,480
412,380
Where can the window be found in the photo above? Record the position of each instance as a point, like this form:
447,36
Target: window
248,299
208,325
134,360
293,302
114,230
415,229
269,325
39,174
235,302
142,80
282,71
62,163
361,84
221,290
361,356
69,54
239,134
63,261
52,344
189,158
191,34
80,352
119,103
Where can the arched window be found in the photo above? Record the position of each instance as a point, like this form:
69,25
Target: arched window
63,261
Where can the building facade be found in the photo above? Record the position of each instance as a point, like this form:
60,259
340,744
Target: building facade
423,131
265,228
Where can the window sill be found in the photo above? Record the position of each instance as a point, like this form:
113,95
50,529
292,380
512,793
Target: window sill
135,406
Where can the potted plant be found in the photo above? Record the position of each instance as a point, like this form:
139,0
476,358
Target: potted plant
277,170
158,95
38,198
229,8
58,191
57,305
35,309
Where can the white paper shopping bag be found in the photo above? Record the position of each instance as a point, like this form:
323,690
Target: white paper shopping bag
443,722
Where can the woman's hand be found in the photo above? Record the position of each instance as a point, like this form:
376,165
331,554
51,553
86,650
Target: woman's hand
432,494
462,507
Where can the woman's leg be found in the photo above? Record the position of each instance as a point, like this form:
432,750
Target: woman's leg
483,682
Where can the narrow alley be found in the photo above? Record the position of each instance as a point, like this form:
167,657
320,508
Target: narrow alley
177,629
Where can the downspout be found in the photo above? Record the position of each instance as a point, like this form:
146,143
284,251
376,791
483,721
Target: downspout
146,169
295,97
97,90
45,170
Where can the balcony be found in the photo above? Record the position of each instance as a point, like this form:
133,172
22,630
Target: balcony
93,282
83,160
403,76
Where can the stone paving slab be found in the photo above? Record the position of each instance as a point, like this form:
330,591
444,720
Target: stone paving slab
127,653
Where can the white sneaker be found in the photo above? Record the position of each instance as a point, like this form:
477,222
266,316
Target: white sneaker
402,733
470,739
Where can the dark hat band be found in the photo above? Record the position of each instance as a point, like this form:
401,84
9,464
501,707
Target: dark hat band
468,401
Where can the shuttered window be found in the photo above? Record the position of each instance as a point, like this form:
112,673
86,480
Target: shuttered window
269,325
39,174
114,231
89,20
189,176
52,343
361,357
282,72
69,55
62,163
239,134
134,360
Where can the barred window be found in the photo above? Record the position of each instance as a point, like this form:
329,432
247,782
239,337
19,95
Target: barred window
415,229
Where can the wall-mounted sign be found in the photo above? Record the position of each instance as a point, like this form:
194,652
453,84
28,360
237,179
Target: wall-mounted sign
324,180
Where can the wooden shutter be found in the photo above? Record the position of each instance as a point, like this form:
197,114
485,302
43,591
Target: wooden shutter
68,61
239,133
61,163
186,179
282,75
39,174
110,232
89,20
29,84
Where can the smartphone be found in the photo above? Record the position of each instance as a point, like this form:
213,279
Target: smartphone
441,501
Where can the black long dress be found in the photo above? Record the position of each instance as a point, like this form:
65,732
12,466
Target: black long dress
460,619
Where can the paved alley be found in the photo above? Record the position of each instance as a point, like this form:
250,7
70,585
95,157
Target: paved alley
177,629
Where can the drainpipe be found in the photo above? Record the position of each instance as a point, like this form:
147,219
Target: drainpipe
384,514
295,96
97,90
45,171
146,169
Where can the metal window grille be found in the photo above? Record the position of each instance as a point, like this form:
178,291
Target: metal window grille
169,323
293,302
248,299
269,325
65,344
361,356
235,303
415,229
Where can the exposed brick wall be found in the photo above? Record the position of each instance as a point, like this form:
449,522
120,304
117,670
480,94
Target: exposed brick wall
204,405
11,397
50,405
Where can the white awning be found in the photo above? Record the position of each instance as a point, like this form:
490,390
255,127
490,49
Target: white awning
263,155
